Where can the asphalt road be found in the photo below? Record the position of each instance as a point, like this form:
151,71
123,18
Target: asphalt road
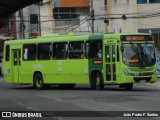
25,98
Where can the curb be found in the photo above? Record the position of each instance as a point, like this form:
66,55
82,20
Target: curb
156,84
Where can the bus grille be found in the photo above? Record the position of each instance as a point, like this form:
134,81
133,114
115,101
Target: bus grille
138,69
141,74
147,79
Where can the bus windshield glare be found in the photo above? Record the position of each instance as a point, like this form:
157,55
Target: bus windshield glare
138,55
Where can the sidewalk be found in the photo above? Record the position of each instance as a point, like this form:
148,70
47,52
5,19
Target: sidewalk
156,84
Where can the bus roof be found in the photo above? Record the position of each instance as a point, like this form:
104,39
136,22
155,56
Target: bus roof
70,37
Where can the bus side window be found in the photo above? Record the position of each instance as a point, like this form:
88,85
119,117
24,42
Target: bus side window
44,51
17,57
113,53
29,52
7,55
76,50
94,49
107,54
60,50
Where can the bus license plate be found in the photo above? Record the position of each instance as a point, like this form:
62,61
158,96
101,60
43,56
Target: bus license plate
142,81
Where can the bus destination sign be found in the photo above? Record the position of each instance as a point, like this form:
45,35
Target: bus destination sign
136,38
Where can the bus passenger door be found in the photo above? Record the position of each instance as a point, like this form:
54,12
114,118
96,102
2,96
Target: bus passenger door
110,60
16,65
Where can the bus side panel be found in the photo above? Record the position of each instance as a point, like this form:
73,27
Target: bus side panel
7,67
8,76
53,72
65,71
77,70
27,71
56,71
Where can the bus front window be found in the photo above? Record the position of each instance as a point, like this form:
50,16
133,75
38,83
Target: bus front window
138,55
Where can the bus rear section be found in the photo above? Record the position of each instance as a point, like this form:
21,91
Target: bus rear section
43,61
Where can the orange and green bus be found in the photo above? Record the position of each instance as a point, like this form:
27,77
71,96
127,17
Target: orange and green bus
67,59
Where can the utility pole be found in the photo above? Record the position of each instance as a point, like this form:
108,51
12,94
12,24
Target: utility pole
39,19
92,16
22,26
10,28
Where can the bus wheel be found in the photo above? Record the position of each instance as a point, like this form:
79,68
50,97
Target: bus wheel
38,81
97,82
128,86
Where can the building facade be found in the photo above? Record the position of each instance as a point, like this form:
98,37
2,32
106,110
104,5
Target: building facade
62,16
52,16
7,32
138,16
71,15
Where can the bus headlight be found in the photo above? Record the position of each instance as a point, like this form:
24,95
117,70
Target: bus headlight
126,72
155,72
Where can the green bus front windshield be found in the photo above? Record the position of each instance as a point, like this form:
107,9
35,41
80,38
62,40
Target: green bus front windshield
138,55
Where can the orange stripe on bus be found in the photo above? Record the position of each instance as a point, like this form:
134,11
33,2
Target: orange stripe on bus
97,62
133,60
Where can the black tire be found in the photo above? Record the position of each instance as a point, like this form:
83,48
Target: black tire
38,82
97,82
128,86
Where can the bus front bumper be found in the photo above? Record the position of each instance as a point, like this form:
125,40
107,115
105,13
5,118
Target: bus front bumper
139,79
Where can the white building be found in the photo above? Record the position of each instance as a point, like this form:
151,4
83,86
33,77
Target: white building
141,16
52,16
61,16
100,9
27,22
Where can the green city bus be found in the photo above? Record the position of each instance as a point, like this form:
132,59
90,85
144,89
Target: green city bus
68,59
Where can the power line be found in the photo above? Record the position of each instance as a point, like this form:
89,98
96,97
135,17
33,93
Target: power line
98,17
